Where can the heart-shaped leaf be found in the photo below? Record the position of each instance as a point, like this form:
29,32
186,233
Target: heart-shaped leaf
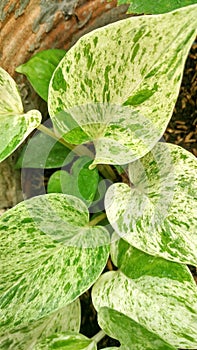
164,306
129,332
157,214
128,62
66,319
15,125
154,6
82,182
66,341
49,256
39,69
43,152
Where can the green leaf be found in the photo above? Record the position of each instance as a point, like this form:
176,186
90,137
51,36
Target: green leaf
154,6
49,256
157,214
66,341
65,319
134,263
15,125
43,152
113,348
82,182
129,332
163,306
137,62
39,69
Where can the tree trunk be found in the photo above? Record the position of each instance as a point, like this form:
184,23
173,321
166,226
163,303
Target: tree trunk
30,26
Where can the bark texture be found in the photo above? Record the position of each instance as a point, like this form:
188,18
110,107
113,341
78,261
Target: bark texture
30,26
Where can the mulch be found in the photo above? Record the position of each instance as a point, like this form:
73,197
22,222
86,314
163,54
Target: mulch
182,128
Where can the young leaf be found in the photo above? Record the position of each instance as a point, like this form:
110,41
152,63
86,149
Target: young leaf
43,152
66,341
137,62
49,256
39,69
15,125
154,6
129,332
65,319
82,182
158,213
163,305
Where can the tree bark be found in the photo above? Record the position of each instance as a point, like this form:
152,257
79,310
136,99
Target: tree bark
30,26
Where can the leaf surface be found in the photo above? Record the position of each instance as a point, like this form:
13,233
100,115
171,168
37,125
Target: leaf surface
65,319
81,182
137,62
154,6
15,125
39,69
66,341
49,256
157,303
157,214
43,152
129,332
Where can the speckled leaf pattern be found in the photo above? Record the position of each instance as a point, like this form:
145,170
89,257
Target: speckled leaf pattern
39,69
120,134
129,332
137,62
15,125
154,6
157,214
164,306
67,341
66,319
49,256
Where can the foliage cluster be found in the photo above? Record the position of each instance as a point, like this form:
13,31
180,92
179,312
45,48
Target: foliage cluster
119,191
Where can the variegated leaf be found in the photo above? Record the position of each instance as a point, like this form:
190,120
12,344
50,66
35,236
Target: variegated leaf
157,214
66,341
15,125
129,332
154,6
163,305
49,256
66,319
137,62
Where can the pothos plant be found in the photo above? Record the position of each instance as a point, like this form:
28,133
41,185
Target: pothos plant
115,89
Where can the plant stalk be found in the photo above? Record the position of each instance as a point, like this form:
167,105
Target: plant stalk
81,150
97,337
97,219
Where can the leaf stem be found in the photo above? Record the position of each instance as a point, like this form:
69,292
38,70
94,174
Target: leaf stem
79,150
105,169
97,337
97,219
